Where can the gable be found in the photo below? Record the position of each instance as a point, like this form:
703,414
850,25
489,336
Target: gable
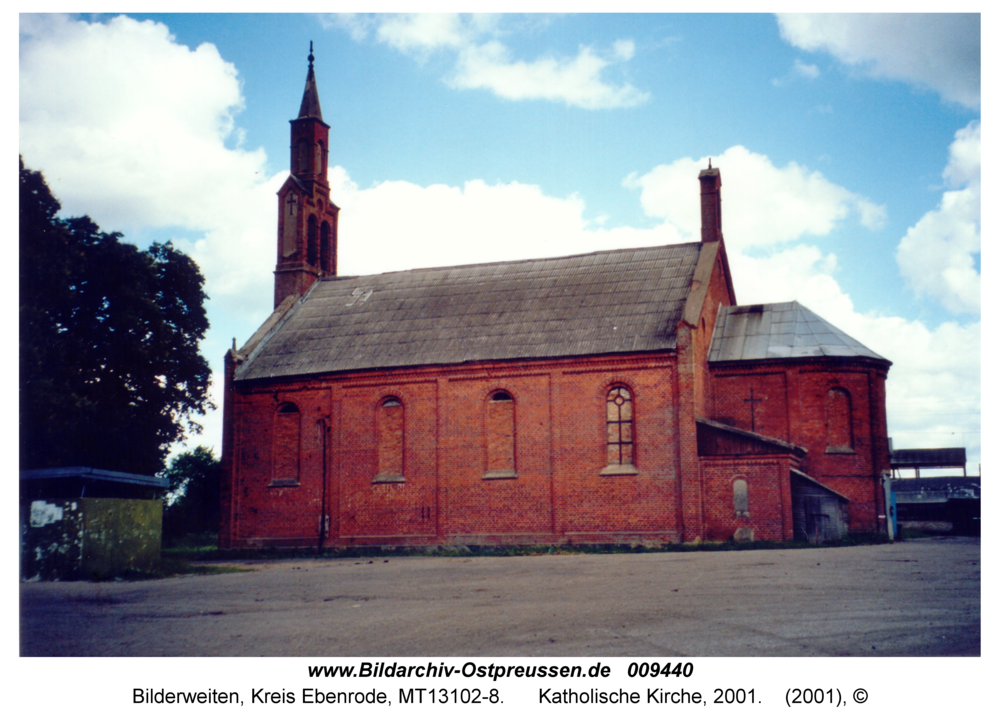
599,303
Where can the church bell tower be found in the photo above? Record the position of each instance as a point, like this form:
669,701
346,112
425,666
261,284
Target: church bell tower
307,218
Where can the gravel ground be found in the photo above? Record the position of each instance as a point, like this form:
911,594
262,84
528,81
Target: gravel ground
914,598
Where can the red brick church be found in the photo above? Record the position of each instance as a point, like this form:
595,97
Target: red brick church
619,396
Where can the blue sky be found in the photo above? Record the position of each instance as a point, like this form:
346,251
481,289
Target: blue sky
848,145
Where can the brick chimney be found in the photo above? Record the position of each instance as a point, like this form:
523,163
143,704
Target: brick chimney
711,204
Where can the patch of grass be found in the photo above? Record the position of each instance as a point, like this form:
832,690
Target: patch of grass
213,554
176,567
909,533
192,544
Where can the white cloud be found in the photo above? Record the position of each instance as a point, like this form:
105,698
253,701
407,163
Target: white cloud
483,62
443,225
139,132
763,205
799,71
937,51
624,49
803,70
424,32
359,27
937,257
575,81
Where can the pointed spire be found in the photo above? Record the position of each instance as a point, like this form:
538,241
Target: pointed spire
310,98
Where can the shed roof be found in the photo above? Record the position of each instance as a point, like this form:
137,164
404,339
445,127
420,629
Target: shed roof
597,303
90,474
928,458
78,481
805,478
779,330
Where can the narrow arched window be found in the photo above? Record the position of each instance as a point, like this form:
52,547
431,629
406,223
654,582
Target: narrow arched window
312,235
302,156
286,446
500,436
319,159
390,430
741,498
290,226
839,431
620,429
325,248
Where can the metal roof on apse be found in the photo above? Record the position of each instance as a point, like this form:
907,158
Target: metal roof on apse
605,302
779,330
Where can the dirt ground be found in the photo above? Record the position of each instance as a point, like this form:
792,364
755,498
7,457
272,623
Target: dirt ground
912,598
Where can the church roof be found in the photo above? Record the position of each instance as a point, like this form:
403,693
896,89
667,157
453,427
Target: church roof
779,330
598,303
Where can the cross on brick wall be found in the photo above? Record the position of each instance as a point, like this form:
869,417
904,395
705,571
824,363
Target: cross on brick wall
753,401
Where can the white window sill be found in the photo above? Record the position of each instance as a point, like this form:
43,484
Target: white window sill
619,470
501,474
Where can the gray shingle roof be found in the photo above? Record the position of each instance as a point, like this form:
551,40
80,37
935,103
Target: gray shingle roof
779,330
605,302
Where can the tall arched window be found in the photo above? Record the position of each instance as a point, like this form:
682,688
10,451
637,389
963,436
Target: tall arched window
620,431
500,436
312,235
325,247
741,498
839,431
302,156
390,430
286,446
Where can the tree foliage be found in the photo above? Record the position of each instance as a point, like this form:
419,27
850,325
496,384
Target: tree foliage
110,369
195,478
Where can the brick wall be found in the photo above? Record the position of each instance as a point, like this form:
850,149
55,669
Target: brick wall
844,431
768,494
550,487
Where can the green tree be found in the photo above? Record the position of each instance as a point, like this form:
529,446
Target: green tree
110,369
194,477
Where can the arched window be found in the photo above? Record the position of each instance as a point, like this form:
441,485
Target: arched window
325,247
500,436
286,446
312,253
290,226
302,157
741,499
839,432
620,431
319,159
390,429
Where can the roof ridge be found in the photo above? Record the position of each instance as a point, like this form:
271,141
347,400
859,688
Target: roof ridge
515,261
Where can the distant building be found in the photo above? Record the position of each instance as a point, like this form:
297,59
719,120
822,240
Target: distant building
936,503
620,396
